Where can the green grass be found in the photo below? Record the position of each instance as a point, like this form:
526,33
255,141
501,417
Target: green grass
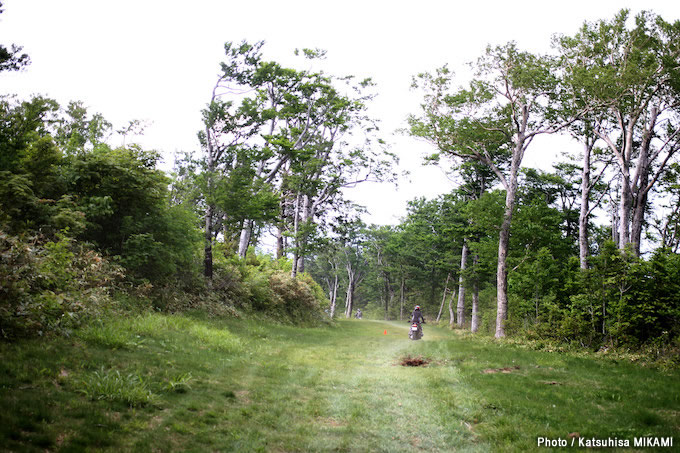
159,382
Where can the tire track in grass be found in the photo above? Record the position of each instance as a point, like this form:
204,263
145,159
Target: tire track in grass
342,389
381,406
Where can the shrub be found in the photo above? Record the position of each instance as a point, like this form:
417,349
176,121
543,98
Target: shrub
299,300
50,286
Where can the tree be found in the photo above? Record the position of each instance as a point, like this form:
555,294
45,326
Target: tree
277,151
629,76
353,238
226,131
60,178
327,267
493,122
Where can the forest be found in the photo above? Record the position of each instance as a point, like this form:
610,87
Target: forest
584,255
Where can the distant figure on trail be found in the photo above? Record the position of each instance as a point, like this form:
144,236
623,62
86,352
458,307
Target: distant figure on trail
359,314
417,316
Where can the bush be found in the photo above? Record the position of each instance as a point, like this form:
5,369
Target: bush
50,286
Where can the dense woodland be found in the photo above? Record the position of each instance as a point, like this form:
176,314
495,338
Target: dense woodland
585,254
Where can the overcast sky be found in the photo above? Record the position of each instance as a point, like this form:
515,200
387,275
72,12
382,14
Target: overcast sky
157,60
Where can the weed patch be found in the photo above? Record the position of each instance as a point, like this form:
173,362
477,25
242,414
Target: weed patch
111,385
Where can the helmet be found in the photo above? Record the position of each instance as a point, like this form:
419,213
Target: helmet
417,307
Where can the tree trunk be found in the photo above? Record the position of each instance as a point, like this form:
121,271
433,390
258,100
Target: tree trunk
446,288
638,221
349,298
334,295
583,249
460,309
625,207
615,226
296,226
207,257
300,265
279,242
244,239
503,244
452,318
475,298
475,307
402,297
641,182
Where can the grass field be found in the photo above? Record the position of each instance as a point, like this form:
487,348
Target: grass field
188,383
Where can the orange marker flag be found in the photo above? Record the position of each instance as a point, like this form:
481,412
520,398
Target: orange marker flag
385,332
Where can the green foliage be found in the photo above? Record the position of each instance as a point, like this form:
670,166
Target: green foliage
50,286
265,286
619,301
58,174
111,385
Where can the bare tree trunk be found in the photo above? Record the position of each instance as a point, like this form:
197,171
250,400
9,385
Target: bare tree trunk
642,183
244,239
452,317
296,229
638,221
625,207
402,297
334,295
585,206
301,242
446,289
279,242
210,209
349,298
475,307
503,244
460,308
207,252
615,225
475,298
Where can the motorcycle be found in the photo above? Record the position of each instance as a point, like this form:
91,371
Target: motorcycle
416,331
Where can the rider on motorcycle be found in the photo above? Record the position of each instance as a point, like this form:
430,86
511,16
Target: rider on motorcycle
418,318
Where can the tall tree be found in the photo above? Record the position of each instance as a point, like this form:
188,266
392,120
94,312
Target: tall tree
227,128
352,236
506,106
630,76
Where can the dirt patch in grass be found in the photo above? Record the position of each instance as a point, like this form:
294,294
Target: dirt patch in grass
330,421
505,370
414,361
243,396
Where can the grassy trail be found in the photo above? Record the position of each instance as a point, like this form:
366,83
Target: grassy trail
187,383
343,389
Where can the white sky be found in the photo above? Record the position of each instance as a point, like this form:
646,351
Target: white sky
157,60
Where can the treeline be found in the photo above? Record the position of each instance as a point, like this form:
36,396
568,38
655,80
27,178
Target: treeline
586,254
88,227
443,256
